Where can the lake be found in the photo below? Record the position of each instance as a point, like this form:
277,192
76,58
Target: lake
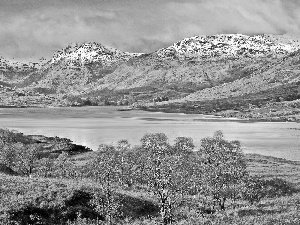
91,126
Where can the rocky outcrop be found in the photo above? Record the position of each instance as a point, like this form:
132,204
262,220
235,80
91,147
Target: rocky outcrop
58,145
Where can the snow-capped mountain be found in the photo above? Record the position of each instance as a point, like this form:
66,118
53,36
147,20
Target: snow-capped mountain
86,53
188,66
229,46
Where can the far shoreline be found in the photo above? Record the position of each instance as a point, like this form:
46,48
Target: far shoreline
224,118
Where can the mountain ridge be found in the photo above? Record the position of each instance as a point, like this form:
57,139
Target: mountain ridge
230,45
206,39
197,66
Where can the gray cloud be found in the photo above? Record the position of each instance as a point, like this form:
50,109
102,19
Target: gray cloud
242,16
35,28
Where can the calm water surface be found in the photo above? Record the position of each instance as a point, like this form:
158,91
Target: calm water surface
91,126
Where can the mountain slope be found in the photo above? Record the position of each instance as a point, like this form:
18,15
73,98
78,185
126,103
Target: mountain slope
194,69
75,67
202,60
271,74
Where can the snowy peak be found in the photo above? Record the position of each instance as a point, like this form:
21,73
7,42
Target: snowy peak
90,52
230,46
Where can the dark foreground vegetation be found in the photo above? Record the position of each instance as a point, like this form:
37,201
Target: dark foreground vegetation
154,183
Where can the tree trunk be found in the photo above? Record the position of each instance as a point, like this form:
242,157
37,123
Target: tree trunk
163,210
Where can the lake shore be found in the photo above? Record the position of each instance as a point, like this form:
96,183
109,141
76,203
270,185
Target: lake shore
250,116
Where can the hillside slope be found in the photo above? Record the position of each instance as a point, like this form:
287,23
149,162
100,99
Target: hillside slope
208,61
268,75
194,69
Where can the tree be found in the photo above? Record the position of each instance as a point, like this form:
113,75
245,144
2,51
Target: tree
106,169
225,168
7,154
26,158
64,167
183,145
7,150
168,173
45,167
158,171
125,163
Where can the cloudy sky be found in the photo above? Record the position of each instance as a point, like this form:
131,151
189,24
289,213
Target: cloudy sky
31,29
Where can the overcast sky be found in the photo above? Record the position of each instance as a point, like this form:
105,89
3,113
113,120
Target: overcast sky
31,29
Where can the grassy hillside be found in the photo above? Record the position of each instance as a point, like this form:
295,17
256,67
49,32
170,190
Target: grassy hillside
136,185
61,199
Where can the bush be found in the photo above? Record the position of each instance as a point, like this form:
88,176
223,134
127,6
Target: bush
41,210
257,188
277,187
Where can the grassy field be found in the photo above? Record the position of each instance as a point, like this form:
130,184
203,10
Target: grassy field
60,199
134,185
271,167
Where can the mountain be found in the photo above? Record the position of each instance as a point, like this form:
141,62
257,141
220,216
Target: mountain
75,67
199,63
229,46
199,68
86,53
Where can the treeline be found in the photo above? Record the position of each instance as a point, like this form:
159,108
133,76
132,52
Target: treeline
205,180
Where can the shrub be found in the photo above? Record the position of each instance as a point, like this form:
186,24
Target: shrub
257,188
